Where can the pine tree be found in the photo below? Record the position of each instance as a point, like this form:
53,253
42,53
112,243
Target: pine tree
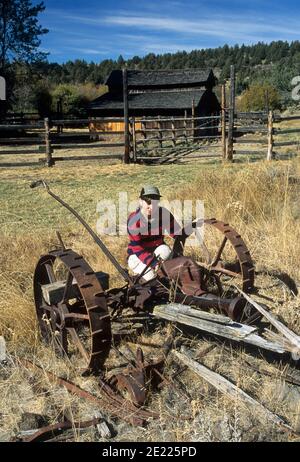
20,31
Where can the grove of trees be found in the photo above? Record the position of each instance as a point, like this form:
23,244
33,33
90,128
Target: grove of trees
36,84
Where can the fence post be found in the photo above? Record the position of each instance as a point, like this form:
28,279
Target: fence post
223,122
49,160
59,110
185,126
270,154
133,138
143,126
229,155
173,133
159,133
193,119
126,119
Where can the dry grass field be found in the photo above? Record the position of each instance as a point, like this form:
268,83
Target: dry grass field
259,199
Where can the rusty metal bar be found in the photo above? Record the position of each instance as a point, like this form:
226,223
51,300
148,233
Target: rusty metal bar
88,228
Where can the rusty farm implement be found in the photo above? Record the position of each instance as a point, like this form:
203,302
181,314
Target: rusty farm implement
76,307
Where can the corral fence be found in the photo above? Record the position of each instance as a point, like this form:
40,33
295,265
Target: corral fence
151,140
39,142
168,140
256,135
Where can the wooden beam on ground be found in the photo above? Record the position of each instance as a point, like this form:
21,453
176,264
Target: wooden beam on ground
293,338
102,427
196,313
232,331
228,388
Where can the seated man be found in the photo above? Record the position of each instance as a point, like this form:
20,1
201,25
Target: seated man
147,227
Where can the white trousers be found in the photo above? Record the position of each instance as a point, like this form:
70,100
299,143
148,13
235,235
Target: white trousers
137,266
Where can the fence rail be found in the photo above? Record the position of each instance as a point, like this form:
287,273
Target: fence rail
48,136
151,140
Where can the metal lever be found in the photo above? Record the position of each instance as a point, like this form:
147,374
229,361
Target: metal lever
96,238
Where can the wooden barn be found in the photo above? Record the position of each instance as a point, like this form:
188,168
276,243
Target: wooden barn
167,93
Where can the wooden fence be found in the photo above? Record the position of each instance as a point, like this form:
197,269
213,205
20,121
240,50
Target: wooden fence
47,137
167,140
151,140
256,135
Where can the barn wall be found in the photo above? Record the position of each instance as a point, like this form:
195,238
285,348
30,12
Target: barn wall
110,126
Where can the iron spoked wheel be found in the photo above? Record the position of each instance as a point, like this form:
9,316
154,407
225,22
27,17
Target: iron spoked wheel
77,315
224,254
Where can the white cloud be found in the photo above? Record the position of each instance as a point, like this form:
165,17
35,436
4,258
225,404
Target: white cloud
233,27
88,51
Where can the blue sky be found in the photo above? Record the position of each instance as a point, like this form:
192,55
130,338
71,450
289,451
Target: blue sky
96,30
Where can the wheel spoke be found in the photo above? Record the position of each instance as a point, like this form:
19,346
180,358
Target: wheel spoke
219,252
50,272
61,342
78,343
68,287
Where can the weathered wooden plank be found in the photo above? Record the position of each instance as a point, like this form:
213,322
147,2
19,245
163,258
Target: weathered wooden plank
102,427
61,136
54,292
228,388
19,151
196,313
285,131
237,151
107,133
252,141
20,141
232,331
286,143
85,145
177,119
280,118
286,332
71,122
19,164
251,115
22,127
99,157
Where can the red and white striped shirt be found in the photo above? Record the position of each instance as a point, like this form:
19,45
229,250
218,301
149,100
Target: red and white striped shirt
145,235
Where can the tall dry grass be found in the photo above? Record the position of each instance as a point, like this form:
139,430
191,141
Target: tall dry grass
261,201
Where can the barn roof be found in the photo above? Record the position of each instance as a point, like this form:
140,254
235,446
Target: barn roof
164,78
153,100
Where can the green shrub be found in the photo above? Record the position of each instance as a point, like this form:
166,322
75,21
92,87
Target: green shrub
259,97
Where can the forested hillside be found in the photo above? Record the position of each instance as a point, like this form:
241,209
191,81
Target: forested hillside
78,81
